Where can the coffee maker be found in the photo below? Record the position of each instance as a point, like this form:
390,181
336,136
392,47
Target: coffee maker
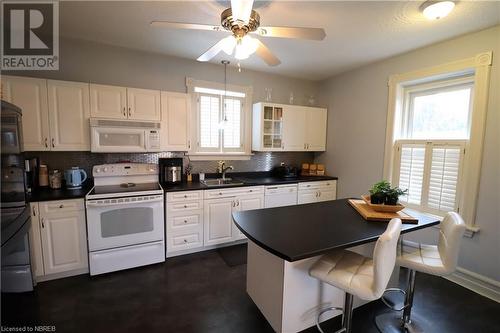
170,170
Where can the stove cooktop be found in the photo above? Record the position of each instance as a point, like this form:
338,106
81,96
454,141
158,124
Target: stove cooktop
125,188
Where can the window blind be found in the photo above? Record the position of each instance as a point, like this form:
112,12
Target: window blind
431,172
232,127
209,121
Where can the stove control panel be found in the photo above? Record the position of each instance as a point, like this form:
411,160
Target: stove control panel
124,169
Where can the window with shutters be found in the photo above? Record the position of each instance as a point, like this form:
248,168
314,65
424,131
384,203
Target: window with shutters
221,123
434,134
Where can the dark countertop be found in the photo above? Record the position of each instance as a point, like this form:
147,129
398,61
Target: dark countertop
249,179
48,194
303,231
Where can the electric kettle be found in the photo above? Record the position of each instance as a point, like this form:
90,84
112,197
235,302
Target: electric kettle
75,177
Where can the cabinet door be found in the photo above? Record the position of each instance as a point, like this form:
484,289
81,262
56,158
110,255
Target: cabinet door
64,242
246,203
327,195
143,104
36,241
316,120
218,221
175,121
69,114
108,101
31,96
307,196
294,128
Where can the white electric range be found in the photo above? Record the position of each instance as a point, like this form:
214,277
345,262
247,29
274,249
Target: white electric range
125,217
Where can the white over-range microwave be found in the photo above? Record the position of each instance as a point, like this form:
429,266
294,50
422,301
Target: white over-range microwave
121,136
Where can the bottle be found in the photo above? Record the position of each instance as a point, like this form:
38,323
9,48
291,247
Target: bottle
43,175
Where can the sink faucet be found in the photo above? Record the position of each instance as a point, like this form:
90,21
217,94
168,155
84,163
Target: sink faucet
223,169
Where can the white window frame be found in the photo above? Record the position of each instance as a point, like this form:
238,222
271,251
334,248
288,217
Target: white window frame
198,153
478,67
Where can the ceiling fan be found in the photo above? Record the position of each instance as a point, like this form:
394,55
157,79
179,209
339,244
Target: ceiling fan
241,20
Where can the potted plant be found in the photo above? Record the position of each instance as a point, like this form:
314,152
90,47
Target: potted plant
378,192
188,170
392,195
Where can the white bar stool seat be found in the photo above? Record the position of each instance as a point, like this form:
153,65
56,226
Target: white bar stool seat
357,275
440,260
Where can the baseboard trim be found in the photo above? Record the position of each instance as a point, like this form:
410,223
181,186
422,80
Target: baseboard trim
478,283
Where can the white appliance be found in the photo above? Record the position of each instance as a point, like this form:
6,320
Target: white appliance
280,195
124,136
125,217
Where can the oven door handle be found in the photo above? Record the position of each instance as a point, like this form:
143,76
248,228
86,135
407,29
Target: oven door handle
123,201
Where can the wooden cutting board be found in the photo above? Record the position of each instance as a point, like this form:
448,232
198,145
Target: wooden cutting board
370,215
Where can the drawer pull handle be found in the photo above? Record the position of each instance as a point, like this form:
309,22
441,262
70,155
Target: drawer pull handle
185,241
185,221
220,193
185,206
61,206
251,191
185,196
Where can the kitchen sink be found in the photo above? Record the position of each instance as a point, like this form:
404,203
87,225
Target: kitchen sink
221,182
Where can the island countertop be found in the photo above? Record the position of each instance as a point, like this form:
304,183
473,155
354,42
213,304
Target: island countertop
303,231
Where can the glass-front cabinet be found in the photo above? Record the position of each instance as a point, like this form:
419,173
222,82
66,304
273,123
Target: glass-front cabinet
268,119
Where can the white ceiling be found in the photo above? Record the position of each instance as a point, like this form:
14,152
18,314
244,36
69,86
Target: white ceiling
357,32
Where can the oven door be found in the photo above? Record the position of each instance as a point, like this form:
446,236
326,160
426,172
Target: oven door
118,140
113,223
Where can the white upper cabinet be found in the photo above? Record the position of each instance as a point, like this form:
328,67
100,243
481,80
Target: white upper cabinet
143,104
31,96
316,121
114,102
294,131
108,101
69,114
175,121
280,127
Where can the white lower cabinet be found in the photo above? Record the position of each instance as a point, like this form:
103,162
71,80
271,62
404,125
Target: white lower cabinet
59,239
310,192
218,220
247,203
184,218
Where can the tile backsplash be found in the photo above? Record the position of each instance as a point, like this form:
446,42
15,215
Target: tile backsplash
86,160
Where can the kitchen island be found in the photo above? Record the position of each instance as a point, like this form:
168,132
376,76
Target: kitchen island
284,242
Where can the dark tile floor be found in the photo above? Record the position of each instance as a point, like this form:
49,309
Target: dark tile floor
202,293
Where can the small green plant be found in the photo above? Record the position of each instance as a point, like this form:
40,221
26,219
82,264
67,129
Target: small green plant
383,193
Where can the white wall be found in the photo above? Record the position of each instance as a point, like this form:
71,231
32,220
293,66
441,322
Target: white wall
357,106
98,63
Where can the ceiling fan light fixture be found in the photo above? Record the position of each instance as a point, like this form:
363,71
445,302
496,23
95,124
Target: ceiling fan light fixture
245,47
434,10
229,45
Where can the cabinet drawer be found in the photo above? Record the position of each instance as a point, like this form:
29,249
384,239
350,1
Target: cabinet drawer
184,206
60,206
317,185
184,196
184,241
187,220
233,192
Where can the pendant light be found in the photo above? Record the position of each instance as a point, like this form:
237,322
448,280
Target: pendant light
224,121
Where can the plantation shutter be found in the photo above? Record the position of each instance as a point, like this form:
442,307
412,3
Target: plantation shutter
411,173
209,121
232,126
431,173
443,178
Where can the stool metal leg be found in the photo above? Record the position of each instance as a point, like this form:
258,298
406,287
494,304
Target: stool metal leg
346,317
394,323
409,297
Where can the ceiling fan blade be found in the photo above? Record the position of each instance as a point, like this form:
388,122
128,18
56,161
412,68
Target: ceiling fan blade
213,51
292,32
265,54
191,26
241,10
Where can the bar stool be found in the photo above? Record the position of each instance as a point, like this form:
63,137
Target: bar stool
437,260
357,275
